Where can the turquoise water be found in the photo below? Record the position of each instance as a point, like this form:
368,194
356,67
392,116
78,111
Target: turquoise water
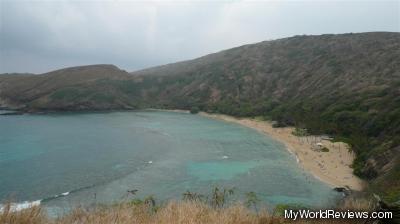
97,157
222,170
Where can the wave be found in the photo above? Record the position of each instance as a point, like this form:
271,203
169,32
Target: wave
293,154
57,196
66,193
15,207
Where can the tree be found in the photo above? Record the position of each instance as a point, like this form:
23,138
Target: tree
194,110
252,200
219,197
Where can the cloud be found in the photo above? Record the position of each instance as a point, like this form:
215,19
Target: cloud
38,36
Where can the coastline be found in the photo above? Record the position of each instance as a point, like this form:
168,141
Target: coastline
168,110
333,167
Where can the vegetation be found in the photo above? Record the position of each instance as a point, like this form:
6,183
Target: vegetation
217,199
279,209
186,211
252,200
324,149
343,85
194,110
300,132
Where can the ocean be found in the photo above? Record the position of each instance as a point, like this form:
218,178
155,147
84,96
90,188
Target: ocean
64,160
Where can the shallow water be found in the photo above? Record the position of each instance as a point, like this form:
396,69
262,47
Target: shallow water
97,157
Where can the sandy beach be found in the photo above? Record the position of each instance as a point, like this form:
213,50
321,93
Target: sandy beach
333,167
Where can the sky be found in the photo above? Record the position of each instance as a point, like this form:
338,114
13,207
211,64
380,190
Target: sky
40,36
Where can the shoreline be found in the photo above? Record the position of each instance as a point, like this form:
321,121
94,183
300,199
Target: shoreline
332,168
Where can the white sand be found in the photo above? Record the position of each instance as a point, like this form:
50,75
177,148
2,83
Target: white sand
332,167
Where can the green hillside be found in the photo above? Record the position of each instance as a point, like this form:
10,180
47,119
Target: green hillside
346,85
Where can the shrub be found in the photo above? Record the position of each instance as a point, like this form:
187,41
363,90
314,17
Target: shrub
324,149
300,132
194,110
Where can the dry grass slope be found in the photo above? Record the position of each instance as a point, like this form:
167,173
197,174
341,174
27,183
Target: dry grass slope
174,212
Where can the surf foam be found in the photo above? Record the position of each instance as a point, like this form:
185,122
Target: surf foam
15,207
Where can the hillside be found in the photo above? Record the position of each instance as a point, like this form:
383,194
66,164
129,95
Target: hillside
345,85
189,210
77,88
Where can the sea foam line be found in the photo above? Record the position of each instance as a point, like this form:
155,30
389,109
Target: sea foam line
293,154
15,207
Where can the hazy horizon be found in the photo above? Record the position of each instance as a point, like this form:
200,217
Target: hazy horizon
41,36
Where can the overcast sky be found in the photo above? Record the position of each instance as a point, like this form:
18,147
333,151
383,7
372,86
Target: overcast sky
39,36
